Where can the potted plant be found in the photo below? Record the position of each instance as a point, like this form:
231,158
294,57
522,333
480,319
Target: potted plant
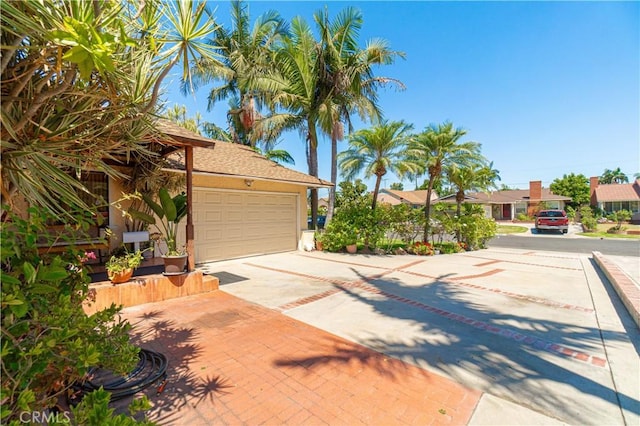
170,211
120,267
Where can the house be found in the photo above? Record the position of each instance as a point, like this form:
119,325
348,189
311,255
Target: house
242,204
616,196
394,197
508,204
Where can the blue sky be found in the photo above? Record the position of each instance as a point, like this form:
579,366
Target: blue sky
547,88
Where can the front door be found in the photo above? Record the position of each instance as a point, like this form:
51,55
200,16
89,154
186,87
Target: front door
506,211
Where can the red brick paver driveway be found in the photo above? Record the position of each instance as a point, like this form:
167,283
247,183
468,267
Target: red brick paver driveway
234,362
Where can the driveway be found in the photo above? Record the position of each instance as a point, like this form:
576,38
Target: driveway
538,333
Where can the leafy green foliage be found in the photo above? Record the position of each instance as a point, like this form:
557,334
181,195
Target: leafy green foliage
170,211
49,342
588,220
119,263
94,410
574,186
613,176
618,216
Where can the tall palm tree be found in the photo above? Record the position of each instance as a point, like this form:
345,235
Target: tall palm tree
377,151
295,93
613,176
434,149
347,82
247,53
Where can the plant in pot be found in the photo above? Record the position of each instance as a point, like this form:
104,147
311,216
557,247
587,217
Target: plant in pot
170,211
120,267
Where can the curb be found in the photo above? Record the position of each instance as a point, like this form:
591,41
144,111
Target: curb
623,285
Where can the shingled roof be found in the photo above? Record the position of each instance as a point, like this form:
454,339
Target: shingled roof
227,159
505,197
234,160
618,192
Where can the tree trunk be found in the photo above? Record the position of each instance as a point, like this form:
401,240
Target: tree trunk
334,179
375,192
313,171
427,211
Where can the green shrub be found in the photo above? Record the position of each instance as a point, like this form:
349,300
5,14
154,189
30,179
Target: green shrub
523,217
589,222
48,340
449,247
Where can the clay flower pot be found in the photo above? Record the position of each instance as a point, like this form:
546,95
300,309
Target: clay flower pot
121,276
352,248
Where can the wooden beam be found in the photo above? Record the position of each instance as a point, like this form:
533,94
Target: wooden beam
188,155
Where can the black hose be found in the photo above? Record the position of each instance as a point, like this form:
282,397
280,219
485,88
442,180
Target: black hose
151,367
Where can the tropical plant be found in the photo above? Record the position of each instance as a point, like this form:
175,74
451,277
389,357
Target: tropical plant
398,186
246,54
82,81
377,150
170,211
613,176
473,176
431,151
347,81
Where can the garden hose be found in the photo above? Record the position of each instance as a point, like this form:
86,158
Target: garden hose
151,367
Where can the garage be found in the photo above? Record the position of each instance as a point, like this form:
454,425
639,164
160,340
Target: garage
230,224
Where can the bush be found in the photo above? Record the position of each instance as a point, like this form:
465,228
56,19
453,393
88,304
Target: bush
449,247
589,222
48,341
523,217
421,249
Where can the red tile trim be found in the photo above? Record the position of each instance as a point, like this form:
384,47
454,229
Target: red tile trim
498,331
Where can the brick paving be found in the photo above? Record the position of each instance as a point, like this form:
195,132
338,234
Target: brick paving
233,362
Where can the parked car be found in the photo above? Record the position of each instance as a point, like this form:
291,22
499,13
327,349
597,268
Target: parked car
552,220
321,221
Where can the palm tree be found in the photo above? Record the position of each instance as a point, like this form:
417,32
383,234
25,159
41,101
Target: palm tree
247,54
437,147
613,176
476,175
295,93
377,151
347,81
77,95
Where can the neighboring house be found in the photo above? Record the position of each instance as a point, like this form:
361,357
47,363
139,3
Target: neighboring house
394,197
508,204
616,196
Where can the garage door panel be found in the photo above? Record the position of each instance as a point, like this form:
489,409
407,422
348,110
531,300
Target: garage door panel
232,224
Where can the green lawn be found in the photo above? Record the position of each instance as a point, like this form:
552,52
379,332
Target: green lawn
512,229
603,227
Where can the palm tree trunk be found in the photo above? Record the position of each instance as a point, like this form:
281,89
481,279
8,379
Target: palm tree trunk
334,178
313,171
427,212
375,192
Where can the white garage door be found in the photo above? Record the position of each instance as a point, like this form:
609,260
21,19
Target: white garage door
232,224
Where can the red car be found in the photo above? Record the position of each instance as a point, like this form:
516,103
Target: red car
552,219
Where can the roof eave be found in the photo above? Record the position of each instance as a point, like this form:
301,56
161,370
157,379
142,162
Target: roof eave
321,184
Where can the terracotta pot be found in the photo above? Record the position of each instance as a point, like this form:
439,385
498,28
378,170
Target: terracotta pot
352,248
120,277
175,265
319,246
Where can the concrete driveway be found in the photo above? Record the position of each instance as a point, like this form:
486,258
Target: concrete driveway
539,333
